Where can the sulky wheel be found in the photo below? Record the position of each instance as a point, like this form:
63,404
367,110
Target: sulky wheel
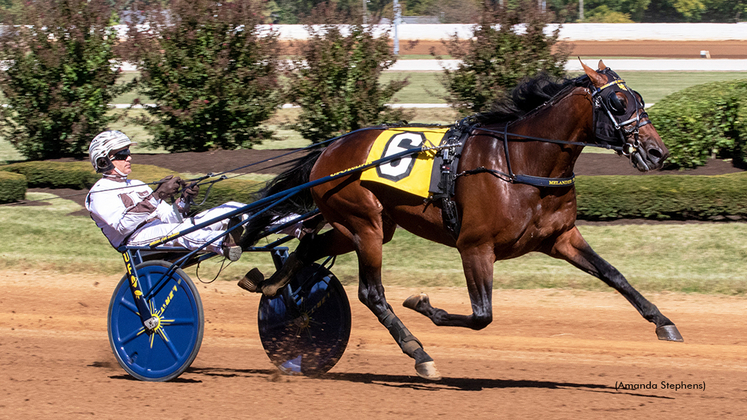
305,329
164,352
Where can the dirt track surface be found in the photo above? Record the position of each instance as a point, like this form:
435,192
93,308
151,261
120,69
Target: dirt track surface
550,353
660,49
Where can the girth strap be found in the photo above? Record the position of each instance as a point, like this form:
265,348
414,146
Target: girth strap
443,182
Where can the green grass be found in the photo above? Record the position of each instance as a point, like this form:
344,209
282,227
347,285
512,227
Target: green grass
655,85
128,97
8,153
700,258
424,87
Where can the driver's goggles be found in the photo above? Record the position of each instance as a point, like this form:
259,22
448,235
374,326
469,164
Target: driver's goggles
121,155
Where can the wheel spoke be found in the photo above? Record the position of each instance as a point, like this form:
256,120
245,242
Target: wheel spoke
169,344
131,336
179,321
129,305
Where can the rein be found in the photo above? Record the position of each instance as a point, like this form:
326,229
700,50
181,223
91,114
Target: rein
536,181
621,128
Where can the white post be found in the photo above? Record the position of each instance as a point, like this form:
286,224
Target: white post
397,21
365,12
581,10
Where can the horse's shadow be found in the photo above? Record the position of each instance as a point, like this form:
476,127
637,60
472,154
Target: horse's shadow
417,383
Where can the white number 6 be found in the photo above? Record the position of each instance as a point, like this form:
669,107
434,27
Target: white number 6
398,169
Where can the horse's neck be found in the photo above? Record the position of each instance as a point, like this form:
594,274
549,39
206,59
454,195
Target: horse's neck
568,119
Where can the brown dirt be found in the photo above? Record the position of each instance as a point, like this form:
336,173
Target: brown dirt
550,353
659,49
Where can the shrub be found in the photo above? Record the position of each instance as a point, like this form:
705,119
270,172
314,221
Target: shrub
61,75
335,81
603,14
76,175
678,197
211,71
500,54
12,187
703,121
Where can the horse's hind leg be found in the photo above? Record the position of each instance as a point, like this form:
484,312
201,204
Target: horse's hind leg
572,247
478,270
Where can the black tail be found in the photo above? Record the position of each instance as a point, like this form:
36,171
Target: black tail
300,203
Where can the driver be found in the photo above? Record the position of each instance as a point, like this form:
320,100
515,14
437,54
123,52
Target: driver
129,212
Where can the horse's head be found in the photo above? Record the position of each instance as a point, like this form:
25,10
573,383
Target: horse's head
621,120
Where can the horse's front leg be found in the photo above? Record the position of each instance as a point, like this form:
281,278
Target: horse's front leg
478,269
572,247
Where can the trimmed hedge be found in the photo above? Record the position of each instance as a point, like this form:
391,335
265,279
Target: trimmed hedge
703,121
678,197
12,187
80,175
663,197
76,175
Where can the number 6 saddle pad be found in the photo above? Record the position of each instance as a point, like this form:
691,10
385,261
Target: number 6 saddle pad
411,173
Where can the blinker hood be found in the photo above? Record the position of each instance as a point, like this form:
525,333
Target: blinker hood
604,109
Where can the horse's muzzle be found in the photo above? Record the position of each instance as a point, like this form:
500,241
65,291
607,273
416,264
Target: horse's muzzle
647,160
646,155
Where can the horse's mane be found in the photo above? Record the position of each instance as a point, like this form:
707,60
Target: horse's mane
530,94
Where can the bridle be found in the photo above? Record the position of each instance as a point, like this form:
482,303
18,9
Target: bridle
606,102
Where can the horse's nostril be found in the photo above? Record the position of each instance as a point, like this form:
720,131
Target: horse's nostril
655,154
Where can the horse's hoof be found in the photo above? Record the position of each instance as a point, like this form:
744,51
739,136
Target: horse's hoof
252,281
427,370
669,333
283,276
413,301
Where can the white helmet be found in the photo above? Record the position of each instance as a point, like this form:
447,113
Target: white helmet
102,145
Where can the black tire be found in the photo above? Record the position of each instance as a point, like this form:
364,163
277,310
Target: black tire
305,329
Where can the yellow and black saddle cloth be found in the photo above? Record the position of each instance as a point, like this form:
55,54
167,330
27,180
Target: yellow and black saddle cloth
411,174
430,174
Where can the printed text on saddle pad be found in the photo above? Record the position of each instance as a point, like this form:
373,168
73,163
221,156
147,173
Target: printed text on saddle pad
411,174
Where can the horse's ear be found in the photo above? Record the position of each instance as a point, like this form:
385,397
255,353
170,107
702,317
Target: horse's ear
602,66
596,78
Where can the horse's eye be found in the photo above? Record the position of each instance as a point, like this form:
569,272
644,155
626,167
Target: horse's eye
615,104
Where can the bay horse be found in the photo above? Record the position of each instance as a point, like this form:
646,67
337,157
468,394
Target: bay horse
538,132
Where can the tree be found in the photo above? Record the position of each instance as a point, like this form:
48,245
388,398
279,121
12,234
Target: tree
335,81
697,11
211,71
300,11
61,75
675,11
611,11
500,54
